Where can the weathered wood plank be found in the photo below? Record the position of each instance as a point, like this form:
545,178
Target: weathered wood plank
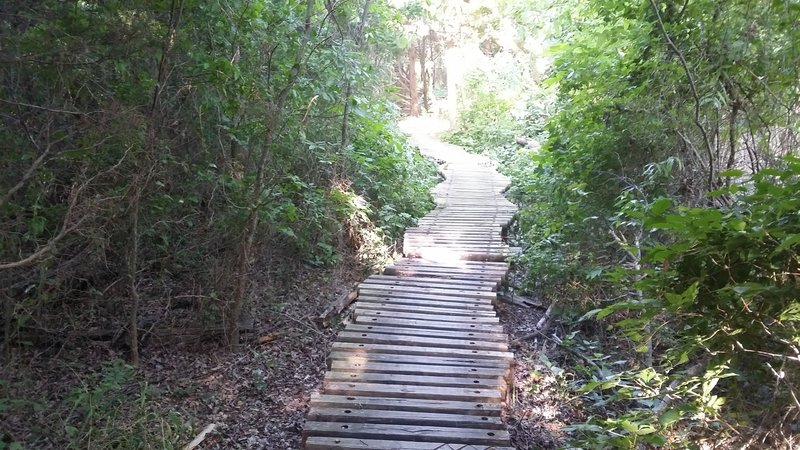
451,305
416,380
474,319
347,355
330,443
453,435
404,418
408,331
467,293
378,338
469,264
414,350
367,366
461,394
389,295
406,404
428,324
392,305
428,282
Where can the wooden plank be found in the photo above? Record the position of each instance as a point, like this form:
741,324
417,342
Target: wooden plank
439,264
348,355
367,366
389,296
444,275
471,230
449,303
454,275
444,295
467,230
421,351
469,264
493,274
407,331
425,281
410,306
489,275
453,307
391,305
458,246
467,255
330,443
495,237
418,392
470,293
388,280
465,320
415,380
428,324
394,339
404,418
452,435
405,404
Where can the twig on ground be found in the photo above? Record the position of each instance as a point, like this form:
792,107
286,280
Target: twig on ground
200,437
560,343
544,323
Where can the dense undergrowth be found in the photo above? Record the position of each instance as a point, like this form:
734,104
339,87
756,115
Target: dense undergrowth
157,155
659,201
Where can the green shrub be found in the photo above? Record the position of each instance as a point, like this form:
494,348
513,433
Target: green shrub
112,410
719,303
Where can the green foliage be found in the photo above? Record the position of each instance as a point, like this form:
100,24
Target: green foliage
720,284
195,102
391,174
111,410
486,124
198,119
660,201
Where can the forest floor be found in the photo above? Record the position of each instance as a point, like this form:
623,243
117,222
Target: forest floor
258,397
541,404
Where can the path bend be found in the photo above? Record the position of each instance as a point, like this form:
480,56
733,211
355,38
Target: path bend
425,363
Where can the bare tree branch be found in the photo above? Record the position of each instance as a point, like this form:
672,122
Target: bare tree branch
696,96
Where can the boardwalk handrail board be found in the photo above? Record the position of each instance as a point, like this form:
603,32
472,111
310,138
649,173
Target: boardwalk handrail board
425,363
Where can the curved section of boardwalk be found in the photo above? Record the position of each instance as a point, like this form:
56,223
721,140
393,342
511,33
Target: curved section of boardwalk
425,364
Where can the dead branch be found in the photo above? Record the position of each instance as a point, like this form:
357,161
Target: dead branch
519,300
66,228
201,437
544,323
696,96
337,307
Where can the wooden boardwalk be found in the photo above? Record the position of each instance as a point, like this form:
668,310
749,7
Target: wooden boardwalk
425,363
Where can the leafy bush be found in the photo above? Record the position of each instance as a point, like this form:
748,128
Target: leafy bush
486,124
719,289
394,176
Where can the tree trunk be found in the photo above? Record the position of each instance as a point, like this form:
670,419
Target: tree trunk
145,166
245,245
413,95
424,74
132,268
348,91
8,313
